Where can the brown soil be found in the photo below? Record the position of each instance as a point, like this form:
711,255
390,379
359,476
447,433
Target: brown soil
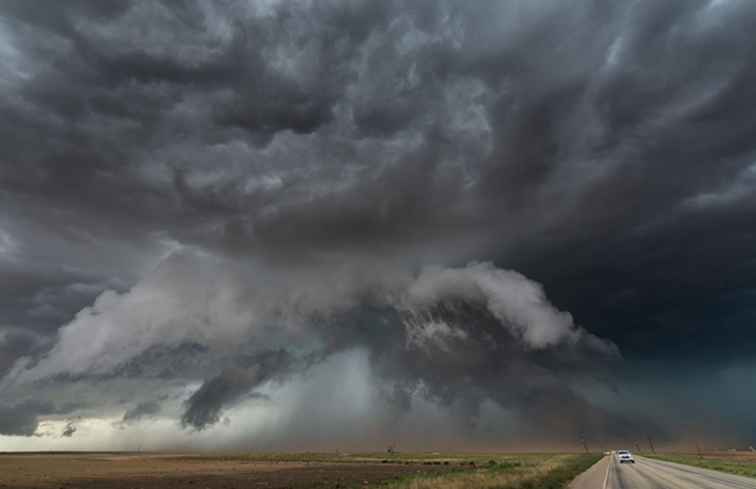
98,471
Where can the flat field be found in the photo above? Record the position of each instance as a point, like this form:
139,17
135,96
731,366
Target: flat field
732,462
287,470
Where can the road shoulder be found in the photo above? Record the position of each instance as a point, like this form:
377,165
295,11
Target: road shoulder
594,477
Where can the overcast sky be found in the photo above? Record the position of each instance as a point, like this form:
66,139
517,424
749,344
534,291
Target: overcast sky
350,224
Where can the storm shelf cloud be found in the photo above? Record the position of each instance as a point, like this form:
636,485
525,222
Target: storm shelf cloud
521,223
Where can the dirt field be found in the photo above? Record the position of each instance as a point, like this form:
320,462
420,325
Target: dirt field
119,471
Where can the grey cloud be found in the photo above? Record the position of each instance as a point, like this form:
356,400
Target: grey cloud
203,408
141,410
324,153
427,335
16,343
413,76
68,430
22,418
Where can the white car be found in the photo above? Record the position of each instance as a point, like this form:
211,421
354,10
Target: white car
625,457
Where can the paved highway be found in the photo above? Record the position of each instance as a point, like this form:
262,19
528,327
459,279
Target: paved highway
655,474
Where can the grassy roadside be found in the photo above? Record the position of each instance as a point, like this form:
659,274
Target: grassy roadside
528,472
459,470
738,467
434,458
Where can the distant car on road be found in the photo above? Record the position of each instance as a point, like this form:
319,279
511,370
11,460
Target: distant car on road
625,457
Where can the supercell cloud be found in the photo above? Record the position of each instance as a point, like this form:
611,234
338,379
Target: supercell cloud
507,224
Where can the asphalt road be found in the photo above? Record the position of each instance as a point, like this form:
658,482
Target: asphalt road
655,474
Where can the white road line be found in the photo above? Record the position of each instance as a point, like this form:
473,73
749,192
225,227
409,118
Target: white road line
608,466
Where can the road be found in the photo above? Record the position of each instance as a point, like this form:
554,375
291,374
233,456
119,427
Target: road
655,474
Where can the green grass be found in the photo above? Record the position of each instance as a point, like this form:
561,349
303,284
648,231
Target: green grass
560,476
462,470
731,466
435,458
531,471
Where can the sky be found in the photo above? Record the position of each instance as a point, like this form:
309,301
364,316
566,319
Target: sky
339,225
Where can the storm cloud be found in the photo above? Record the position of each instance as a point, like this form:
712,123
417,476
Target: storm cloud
524,204
203,408
23,418
142,410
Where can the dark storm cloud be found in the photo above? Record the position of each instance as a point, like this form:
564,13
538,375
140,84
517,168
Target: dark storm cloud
16,343
141,410
69,430
604,149
458,355
22,419
399,71
203,408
